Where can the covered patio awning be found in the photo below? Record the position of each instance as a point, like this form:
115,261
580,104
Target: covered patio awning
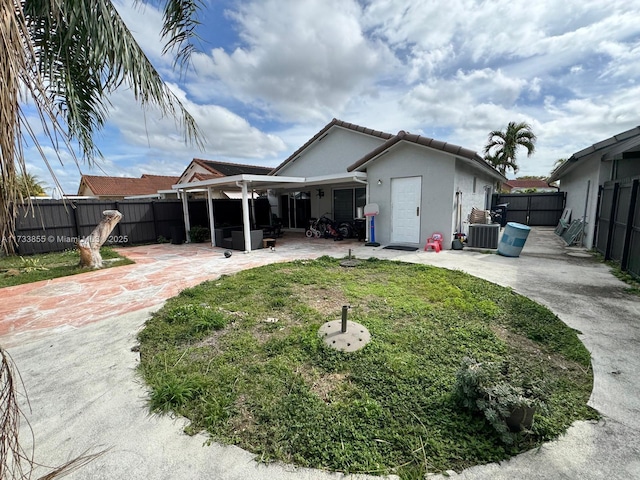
245,182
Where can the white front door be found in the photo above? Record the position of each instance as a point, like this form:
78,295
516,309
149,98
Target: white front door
405,209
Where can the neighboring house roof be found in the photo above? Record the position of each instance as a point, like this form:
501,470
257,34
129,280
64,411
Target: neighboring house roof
609,149
427,142
527,184
333,123
124,186
226,169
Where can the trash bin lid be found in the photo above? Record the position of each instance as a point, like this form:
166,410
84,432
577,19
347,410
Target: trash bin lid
519,226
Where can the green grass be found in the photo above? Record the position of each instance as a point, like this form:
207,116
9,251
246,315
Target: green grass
17,270
215,355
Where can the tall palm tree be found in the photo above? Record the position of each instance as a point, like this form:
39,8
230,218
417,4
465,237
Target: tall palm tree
29,186
66,56
501,148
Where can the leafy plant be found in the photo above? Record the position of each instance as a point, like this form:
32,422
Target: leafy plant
199,234
162,239
31,265
487,387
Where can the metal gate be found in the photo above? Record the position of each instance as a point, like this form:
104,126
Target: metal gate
533,209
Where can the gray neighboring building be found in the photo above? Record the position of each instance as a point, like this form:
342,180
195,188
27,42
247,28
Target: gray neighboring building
582,175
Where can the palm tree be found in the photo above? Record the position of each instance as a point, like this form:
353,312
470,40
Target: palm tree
501,147
68,55
29,186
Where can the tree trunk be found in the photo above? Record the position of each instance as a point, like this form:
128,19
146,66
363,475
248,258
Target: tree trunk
90,246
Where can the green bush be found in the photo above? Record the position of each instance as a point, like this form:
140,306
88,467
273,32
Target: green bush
199,234
490,388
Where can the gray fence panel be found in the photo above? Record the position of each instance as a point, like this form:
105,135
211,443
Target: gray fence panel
620,222
606,201
634,247
54,225
137,224
45,226
168,215
618,236
534,209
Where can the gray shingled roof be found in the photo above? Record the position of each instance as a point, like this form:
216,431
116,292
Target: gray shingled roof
229,169
617,144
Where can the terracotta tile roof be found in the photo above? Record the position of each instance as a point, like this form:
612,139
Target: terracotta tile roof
126,186
226,169
337,123
528,183
203,176
427,142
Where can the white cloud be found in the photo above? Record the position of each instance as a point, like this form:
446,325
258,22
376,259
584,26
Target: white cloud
299,60
454,71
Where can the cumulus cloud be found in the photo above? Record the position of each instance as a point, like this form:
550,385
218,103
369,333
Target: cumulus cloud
279,70
298,60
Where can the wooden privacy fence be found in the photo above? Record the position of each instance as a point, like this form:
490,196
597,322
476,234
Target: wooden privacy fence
56,225
618,224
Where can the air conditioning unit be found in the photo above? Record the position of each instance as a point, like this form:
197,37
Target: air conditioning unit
483,236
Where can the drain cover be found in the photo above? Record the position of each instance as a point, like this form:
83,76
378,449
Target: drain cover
356,336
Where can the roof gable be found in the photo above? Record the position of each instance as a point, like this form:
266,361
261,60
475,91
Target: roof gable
318,136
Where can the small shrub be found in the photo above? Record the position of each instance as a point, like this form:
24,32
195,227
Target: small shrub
162,239
489,388
31,265
199,234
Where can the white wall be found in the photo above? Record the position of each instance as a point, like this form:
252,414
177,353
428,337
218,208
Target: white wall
339,149
575,183
437,170
484,188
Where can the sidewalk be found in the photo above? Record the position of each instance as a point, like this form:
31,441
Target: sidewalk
71,338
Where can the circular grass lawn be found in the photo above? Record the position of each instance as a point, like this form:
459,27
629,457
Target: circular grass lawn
240,357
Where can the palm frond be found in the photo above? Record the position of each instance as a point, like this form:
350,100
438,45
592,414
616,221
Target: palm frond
68,55
85,52
180,22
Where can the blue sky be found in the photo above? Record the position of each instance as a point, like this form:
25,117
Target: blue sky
269,74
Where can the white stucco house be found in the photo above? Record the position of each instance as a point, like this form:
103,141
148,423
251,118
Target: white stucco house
583,174
421,185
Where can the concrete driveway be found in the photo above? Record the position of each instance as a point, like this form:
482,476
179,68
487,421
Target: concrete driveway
71,339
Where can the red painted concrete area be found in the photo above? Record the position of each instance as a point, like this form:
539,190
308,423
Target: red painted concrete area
160,272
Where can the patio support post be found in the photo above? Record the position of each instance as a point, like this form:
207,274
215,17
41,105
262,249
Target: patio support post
245,218
253,209
212,222
185,213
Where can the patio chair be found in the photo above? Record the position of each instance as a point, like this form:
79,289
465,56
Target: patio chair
434,242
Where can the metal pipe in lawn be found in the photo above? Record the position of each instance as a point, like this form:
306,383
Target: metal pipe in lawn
344,318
